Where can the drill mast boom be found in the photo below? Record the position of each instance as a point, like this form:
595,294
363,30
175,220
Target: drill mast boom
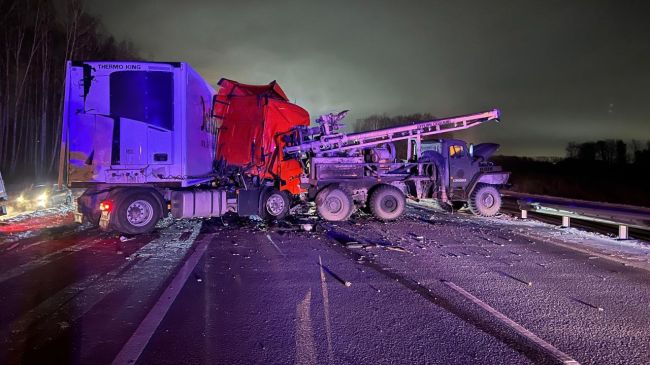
328,141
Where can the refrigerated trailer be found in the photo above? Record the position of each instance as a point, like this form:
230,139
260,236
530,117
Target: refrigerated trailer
141,137
149,139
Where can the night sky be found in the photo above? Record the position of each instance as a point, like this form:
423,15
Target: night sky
560,71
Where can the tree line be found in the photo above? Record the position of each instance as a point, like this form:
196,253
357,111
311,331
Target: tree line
38,36
610,151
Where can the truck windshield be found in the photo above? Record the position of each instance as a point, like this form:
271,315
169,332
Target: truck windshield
146,96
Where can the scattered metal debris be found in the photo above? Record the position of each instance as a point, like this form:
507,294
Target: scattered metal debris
329,271
600,309
397,248
529,283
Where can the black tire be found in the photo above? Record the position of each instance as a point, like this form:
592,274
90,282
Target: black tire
334,204
485,201
274,205
136,212
387,202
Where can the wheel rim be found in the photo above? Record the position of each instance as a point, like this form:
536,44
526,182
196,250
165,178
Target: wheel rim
333,204
488,200
389,204
275,204
139,213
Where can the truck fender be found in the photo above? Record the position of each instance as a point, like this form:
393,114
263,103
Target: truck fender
497,178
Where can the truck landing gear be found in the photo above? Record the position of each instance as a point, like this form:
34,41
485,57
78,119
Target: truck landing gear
387,202
485,201
334,204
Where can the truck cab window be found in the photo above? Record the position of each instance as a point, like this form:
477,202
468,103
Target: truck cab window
146,96
456,151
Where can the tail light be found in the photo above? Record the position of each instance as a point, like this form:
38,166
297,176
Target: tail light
106,206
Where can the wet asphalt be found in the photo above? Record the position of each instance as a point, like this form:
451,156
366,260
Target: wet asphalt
278,295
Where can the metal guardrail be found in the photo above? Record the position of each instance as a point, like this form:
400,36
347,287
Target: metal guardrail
623,216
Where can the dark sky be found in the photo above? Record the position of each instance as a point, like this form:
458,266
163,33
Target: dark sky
559,70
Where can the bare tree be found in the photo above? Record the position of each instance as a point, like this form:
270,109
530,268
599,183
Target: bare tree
38,36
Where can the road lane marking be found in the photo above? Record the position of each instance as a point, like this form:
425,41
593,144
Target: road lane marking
44,260
305,348
76,300
134,347
276,246
326,311
552,350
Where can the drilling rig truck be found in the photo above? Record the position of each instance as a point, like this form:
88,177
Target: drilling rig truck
148,139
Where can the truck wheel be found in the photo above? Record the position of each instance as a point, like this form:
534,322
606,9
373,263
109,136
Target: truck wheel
387,202
137,213
485,201
334,204
274,205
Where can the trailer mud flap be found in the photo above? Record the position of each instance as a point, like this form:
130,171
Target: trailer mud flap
248,202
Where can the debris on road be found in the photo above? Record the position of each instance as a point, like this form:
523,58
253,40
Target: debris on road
529,283
600,309
275,245
354,244
329,271
397,248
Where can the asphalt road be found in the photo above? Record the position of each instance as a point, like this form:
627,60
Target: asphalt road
431,288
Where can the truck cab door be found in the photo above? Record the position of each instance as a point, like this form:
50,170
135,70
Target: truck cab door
460,167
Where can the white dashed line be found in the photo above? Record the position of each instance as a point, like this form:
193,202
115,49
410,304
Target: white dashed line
552,350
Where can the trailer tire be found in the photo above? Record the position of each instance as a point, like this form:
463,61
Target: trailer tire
334,204
137,212
485,201
274,204
387,202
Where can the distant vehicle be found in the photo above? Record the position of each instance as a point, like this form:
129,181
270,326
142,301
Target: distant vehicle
3,197
40,196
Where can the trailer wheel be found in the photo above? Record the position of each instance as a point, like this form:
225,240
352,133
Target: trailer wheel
137,213
485,201
387,202
334,204
274,204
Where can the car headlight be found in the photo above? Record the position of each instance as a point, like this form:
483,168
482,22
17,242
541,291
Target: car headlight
42,199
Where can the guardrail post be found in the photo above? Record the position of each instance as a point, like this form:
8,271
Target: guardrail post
524,214
622,232
566,222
